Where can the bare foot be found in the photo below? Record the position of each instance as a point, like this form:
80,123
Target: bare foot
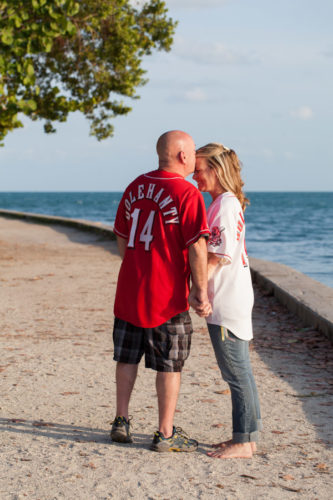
224,444
233,450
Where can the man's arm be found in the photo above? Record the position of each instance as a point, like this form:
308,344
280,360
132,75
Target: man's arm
198,297
122,244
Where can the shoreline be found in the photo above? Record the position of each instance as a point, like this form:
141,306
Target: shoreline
309,299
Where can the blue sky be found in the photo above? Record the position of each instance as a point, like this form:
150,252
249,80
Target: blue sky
256,75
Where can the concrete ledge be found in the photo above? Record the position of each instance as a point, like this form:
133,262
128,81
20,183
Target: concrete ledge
310,300
95,227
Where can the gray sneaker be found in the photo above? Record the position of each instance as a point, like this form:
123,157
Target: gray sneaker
120,431
179,441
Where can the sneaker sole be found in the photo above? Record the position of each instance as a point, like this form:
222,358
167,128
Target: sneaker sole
159,449
119,437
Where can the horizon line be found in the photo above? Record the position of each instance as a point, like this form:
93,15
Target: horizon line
121,191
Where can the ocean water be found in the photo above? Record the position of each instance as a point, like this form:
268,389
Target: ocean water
291,228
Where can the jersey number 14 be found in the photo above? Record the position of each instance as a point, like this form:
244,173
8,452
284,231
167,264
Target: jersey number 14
146,235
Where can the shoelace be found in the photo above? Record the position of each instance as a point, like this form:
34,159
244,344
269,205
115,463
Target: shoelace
130,418
181,433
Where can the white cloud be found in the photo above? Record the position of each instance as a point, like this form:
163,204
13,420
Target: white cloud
267,153
185,4
189,94
328,52
196,94
194,4
303,113
137,3
210,53
289,155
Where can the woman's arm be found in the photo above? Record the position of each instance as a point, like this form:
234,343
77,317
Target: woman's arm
215,261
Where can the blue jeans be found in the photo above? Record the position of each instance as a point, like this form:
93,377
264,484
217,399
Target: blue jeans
232,356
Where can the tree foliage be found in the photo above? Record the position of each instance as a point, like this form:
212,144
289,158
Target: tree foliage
61,56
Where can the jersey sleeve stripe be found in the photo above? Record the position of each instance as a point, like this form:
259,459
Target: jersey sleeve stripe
197,236
115,230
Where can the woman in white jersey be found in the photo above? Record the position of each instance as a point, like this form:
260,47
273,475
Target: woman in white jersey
230,291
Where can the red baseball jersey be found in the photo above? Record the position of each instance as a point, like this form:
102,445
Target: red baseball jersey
160,215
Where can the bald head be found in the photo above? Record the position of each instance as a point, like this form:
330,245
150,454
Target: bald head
176,152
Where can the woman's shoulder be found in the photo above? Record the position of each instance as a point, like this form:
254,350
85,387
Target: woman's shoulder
226,204
230,200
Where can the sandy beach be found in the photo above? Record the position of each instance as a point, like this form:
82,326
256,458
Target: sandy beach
57,289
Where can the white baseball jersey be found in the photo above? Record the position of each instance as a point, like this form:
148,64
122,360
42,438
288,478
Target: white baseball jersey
230,287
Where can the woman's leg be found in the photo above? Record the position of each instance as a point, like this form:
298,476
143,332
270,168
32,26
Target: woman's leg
258,413
232,356
256,399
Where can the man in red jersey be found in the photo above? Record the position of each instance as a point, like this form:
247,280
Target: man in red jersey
161,232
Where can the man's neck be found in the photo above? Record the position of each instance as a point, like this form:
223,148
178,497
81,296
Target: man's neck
172,168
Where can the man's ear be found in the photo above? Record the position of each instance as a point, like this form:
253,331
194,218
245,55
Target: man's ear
182,157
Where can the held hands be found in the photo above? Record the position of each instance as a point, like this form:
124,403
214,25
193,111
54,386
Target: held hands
198,300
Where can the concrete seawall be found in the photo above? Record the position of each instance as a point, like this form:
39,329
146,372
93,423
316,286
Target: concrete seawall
309,299
95,227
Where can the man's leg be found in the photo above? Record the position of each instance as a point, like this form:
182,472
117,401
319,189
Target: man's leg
128,350
125,379
166,349
167,387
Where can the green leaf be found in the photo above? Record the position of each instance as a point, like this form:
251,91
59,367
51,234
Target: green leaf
28,80
31,104
30,69
48,44
74,10
54,26
7,36
21,104
24,15
17,21
26,106
51,12
48,128
70,28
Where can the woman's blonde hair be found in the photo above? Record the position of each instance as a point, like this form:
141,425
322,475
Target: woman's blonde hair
227,167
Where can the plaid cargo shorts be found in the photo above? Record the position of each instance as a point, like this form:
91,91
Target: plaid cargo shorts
166,347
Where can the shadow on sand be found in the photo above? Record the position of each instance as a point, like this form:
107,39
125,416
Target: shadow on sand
75,434
302,357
